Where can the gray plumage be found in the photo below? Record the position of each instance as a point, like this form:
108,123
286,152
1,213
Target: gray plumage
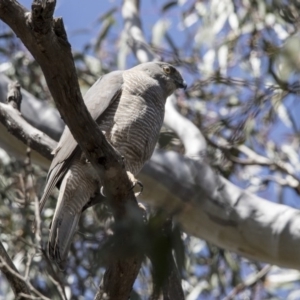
129,108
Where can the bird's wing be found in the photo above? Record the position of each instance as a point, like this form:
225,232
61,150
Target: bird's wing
104,91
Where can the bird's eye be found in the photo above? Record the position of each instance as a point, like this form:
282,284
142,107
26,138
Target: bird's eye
167,69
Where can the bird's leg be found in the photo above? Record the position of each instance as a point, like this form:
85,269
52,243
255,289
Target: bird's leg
135,182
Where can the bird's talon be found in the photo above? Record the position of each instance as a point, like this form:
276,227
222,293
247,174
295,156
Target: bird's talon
102,191
141,186
135,183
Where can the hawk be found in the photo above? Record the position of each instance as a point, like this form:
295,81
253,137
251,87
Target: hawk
128,106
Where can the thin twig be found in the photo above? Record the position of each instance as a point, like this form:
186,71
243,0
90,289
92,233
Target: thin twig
254,158
3,264
251,280
8,268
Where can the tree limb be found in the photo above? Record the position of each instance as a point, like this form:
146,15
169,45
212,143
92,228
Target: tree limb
17,126
191,137
253,158
250,281
37,112
46,39
19,286
119,278
212,208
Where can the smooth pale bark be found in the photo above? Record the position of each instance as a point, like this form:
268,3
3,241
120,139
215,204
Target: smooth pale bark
210,207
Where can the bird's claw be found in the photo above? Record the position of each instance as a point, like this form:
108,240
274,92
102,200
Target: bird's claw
135,182
141,187
102,191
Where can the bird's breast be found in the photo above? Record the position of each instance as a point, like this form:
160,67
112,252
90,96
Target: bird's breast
132,125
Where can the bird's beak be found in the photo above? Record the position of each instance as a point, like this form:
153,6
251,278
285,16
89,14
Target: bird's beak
182,84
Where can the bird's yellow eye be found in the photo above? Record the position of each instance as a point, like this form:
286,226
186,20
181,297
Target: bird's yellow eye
167,69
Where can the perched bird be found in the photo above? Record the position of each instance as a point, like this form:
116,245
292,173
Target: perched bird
129,109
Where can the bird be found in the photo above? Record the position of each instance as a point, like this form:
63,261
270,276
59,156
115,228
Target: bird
128,107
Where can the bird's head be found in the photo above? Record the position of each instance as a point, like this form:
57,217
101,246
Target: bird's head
167,75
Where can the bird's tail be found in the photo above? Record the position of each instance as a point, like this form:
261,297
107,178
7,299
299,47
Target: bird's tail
62,231
75,191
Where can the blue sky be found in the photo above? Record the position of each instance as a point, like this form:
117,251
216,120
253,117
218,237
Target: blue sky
80,14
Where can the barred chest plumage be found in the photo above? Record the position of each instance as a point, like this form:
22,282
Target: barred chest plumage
129,107
132,123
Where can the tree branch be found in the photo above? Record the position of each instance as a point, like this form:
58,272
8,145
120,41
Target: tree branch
191,137
35,111
19,286
254,158
119,278
250,281
46,39
210,207
13,121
